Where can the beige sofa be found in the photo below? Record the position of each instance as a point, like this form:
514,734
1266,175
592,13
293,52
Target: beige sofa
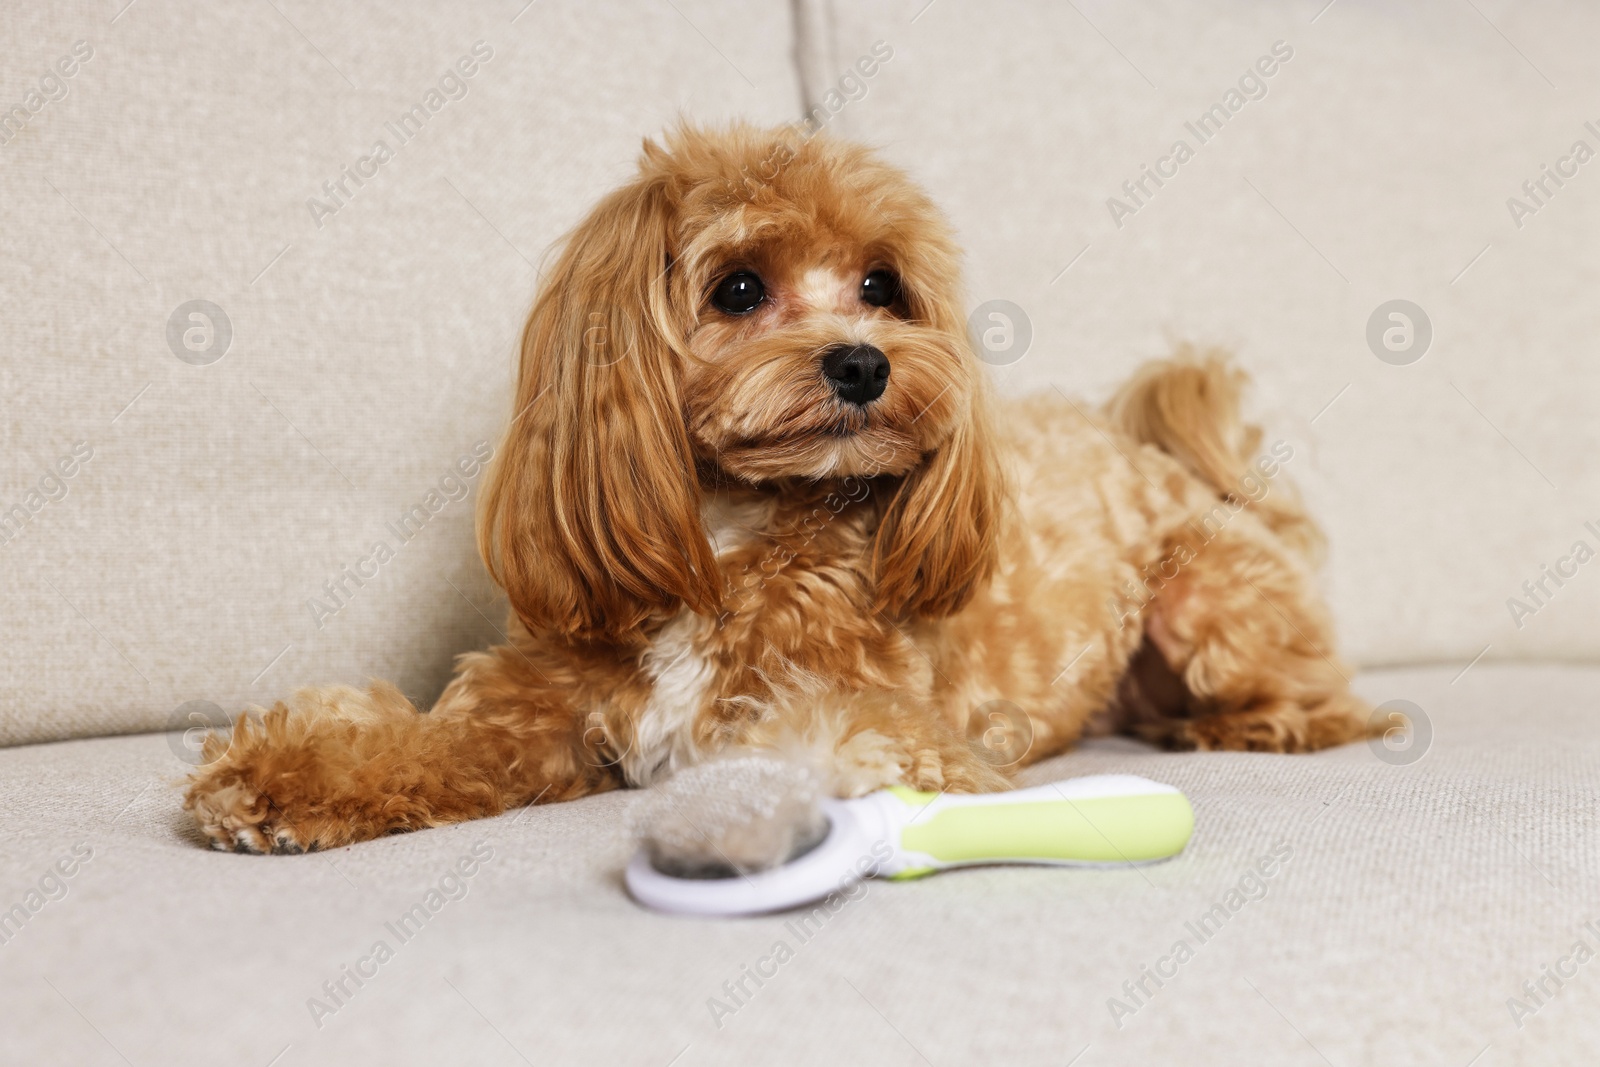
243,346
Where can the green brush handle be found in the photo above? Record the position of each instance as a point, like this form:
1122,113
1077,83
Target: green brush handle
1102,819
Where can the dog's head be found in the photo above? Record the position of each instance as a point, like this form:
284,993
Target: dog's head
756,307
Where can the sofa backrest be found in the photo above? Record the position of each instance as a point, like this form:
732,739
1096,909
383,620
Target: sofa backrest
1275,178
265,268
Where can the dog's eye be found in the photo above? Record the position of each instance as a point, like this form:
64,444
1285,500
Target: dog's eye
880,288
739,293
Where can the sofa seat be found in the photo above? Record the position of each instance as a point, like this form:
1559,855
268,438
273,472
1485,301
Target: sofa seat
1341,906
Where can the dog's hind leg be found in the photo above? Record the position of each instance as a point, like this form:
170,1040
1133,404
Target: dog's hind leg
1242,627
1240,622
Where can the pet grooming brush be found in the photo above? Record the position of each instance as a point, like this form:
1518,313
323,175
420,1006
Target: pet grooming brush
1102,820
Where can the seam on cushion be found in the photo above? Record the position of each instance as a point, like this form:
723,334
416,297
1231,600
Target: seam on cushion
814,27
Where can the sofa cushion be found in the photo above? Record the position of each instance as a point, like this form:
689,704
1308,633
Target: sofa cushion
1407,897
1372,162
234,367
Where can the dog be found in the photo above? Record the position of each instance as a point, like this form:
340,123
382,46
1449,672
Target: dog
756,495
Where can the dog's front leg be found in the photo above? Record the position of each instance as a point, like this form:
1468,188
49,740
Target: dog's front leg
868,739
337,764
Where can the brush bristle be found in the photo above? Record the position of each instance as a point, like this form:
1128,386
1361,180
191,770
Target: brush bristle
730,816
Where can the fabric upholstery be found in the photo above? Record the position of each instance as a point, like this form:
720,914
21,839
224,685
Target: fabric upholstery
179,516
187,557
1415,900
372,340
1376,166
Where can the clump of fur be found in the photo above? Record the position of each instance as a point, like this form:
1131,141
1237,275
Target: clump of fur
736,815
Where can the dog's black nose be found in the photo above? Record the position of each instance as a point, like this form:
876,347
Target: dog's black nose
858,373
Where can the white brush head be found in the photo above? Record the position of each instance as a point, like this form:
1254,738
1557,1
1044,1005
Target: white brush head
735,815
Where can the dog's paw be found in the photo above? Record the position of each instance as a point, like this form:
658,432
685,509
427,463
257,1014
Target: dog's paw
954,770
337,767
257,791
237,818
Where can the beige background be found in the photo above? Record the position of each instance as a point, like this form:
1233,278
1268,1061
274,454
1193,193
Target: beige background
1427,882
364,361
1390,142
369,354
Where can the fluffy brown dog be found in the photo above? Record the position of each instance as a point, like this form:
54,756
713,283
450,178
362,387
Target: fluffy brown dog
755,494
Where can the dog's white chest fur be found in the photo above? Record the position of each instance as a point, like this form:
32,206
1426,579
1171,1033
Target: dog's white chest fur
679,669
680,676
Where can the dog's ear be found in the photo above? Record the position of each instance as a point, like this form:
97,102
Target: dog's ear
938,538
590,516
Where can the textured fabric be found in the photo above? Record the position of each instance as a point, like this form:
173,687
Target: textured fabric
1405,905
187,555
179,515
371,335
1377,166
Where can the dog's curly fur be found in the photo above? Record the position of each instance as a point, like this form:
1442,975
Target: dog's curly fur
705,548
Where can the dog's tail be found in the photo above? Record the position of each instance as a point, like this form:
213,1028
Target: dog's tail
1189,407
